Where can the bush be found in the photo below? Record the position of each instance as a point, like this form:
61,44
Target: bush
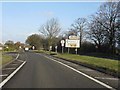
87,47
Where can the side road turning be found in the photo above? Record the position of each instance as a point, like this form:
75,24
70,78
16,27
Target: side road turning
9,70
42,71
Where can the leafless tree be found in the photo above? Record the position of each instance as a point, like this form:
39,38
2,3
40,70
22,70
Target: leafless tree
78,28
96,33
118,25
50,29
107,17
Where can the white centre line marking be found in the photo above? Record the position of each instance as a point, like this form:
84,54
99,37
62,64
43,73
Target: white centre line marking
4,75
97,81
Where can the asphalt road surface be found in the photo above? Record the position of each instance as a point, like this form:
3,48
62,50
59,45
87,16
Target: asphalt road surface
41,72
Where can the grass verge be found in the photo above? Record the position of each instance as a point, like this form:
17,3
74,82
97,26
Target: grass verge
107,64
5,59
110,64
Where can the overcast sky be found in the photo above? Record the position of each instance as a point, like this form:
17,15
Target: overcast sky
21,19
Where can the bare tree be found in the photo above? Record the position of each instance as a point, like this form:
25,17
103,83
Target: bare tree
97,33
50,29
78,28
107,17
118,26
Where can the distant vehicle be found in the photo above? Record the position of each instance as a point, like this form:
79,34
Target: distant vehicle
26,49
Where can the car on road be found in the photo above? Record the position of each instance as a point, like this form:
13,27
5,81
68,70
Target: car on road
26,49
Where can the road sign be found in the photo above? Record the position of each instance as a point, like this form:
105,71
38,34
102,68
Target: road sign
72,43
76,50
56,48
20,47
33,47
62,42
73,37
50,48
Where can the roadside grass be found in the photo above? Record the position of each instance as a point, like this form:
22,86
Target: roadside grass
4,59
104,55
110,64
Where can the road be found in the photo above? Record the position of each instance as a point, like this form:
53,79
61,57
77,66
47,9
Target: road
42,72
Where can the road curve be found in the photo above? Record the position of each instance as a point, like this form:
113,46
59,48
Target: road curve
41,72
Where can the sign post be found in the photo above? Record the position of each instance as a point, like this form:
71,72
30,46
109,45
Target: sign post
56,48
62,44
76,50
33,47
72,42
50,48
20,47
7,48
68,50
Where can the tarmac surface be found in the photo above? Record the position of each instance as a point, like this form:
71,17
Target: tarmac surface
43,71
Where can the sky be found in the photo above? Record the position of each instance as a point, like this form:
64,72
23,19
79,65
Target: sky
21,19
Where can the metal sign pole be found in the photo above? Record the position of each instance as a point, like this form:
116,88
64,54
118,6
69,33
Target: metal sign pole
62,49
56,48
50,49
62,44
33,47
76,50
68,50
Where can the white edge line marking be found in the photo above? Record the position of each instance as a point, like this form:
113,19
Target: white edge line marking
99,82
17,56
11,75
107,78
20,60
